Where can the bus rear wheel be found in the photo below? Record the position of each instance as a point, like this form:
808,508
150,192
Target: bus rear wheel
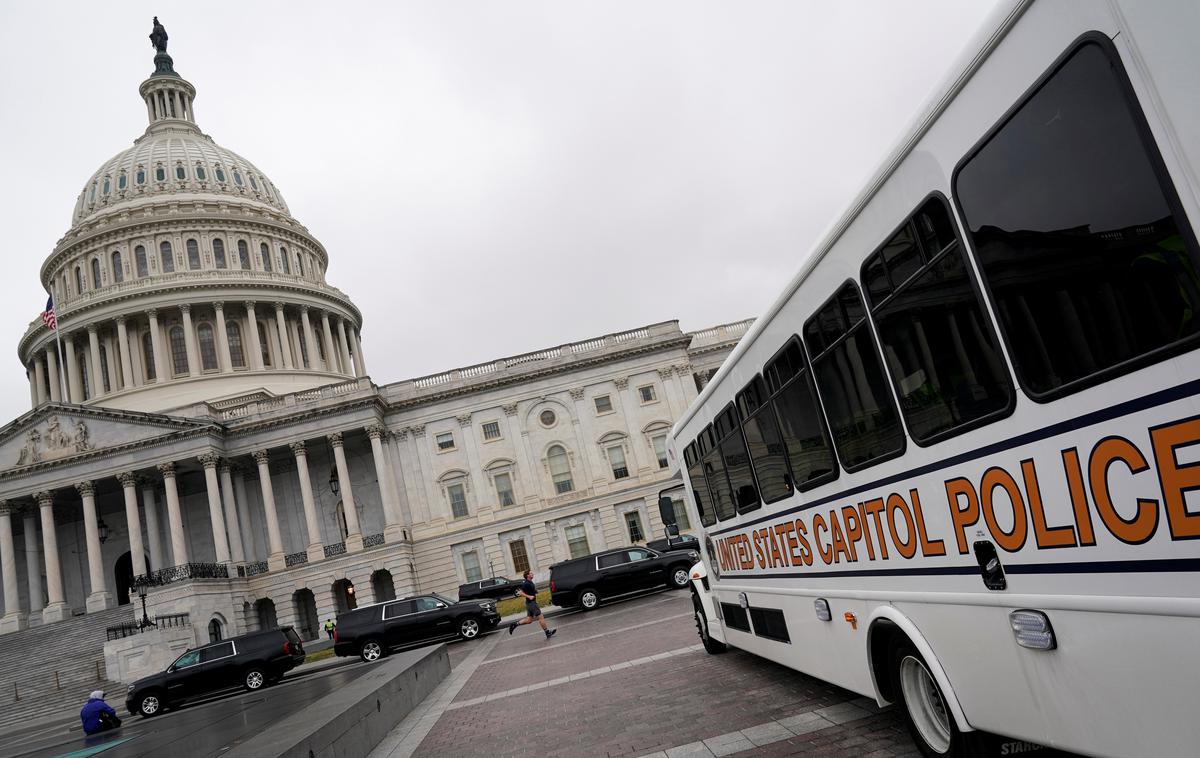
925,708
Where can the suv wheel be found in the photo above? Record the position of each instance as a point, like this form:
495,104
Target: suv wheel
371,651
150,705
680,577
588,599
468,628
254,679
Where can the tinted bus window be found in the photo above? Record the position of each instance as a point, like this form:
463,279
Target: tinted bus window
764,442
714,472
937,340
737,461
859,406
801,425
700,492
1091,265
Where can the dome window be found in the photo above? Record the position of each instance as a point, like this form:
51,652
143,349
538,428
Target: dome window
95,273
243,255
236,354
237,178
219,253
140,177
122,181
220,174
193,254
148,351
166,257
253,183
78,280
160,173
208,347
200,173
107,186
118,271
92,196
179,358
283,260
266,257
300,264
180,172
139,255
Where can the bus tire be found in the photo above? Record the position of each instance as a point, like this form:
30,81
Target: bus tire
713,647
929,720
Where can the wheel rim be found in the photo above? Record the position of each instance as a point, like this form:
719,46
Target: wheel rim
589,600
925,704
681,577
150,705
254,680
702,625
372,651
470,628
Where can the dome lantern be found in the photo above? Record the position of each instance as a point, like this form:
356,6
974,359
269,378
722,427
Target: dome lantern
168,96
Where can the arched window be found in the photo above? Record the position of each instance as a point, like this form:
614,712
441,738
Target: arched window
106,187
178,351
122,181
560,469
143,267
264,344
236,354
85,375
200,174
160,173
95,273
243,255
237,177
193,253
208,347
148,352
266,257
78,280
118,271
140,176
180,172
300,264
219,253
167,258
220,172
253,183
283,260
214,631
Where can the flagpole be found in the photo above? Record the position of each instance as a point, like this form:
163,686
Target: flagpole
62,367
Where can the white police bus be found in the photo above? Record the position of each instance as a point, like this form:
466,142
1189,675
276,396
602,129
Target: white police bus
956,465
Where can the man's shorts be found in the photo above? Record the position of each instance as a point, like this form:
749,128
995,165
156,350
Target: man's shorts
532,609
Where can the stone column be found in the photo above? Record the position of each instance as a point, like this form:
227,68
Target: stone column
354,540
360,362
14,619
39,378
52,375
179,549
111,370
390,521
99,598
97,368
161,374
74,380
31,375
216,519
232,525
310,342
224,359
133,522
285,349
243,511
330,352
189,338
316,549
275,561
396,530
33,570
153,535
123,349
56,609
256,361
347,366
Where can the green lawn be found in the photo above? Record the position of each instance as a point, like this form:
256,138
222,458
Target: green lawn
320,655
517,604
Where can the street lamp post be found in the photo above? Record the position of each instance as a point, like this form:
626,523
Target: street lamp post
145,622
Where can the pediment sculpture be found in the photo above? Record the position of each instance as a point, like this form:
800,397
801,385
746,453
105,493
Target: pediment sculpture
56,442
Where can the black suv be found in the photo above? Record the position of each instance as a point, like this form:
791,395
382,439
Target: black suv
588,580
251,661
682,542
497,587
372,631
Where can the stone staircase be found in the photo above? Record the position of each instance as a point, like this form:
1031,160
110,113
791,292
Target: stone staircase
47,671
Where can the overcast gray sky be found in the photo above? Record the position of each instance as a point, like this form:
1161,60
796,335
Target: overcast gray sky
489,178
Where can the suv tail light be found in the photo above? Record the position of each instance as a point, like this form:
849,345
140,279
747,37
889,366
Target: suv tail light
552,585
287,648
335,634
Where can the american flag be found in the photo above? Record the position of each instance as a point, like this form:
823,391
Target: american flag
48,315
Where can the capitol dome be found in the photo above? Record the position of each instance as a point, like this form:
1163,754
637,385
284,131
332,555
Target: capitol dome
184,278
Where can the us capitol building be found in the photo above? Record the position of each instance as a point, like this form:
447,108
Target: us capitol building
210,430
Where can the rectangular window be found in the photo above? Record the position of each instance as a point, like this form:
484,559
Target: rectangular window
406,607
577,541
616,457
660,449
445,441
737,460
700,491
504,489
764,442
491,430
937,340
862,414
801,424
603,404
718,480
647,394
520,558
471,570
224,650
633,522
458,500
1080,236
612,559
681,516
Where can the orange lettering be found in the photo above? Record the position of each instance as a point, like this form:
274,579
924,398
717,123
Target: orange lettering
998,477
907,548
1141,527
825,551
1046,536
962,517
1176,479
928,546
1079,503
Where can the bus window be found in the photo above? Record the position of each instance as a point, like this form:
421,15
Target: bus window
700,492
861,412
794,402
737,460
714,473
764,442
937,341
1079,234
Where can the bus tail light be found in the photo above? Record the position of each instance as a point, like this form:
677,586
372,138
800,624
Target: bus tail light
821,606
1032,630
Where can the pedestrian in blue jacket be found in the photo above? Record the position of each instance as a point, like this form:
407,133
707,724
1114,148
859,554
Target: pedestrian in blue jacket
97,715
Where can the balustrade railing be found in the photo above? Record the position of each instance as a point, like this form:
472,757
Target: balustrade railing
373,540
129,629
181,573
338,548
254,569
295,559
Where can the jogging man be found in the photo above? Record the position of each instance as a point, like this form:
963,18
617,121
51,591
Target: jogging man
529,591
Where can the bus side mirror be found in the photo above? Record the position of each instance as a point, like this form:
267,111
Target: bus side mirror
666,511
